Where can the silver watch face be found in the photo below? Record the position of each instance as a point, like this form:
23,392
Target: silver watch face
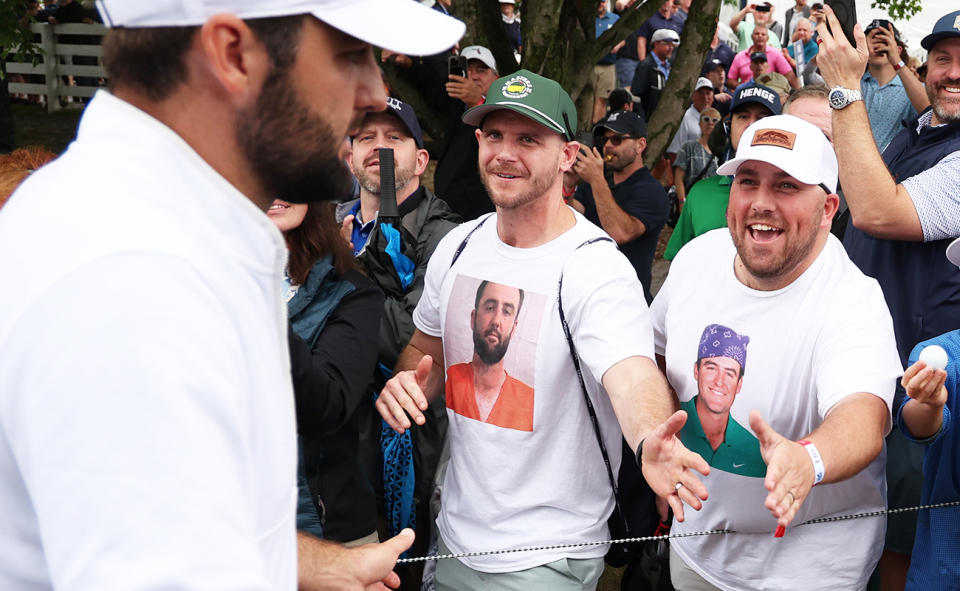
838,98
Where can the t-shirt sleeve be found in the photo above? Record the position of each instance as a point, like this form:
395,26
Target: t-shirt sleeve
426,316
648,204
859,352
936,196
658,313
604,304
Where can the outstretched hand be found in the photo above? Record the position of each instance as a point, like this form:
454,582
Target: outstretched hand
840,63
404,395
375,562
789,471
665,463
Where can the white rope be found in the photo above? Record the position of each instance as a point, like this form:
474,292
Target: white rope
669,536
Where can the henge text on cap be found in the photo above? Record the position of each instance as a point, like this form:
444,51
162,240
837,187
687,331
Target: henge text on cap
774,137
762,93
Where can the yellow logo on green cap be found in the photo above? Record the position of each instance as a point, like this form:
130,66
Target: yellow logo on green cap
517,87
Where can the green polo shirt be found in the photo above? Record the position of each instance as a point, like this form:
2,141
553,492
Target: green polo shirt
739,453
704,210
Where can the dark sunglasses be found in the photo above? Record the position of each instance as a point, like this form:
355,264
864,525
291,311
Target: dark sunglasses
615,140
710,119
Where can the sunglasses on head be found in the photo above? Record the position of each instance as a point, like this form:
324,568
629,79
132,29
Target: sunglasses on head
615,140
710,119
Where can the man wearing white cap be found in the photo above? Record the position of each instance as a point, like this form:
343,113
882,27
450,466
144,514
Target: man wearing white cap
652,72
147,433
817,398
690,124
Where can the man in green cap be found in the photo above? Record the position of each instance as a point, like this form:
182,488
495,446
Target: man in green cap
545,483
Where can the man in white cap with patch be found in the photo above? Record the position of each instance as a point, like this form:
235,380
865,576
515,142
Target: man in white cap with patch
541,480
817,394
147,432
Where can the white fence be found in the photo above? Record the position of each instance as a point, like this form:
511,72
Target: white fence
56,64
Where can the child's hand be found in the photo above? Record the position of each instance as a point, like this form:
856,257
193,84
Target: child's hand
925,384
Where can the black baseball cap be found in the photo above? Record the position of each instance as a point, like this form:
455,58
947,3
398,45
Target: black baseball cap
756,93
758,56
947,26
405,114
624,123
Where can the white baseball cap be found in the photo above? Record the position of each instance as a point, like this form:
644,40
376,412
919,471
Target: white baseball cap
398,25
953,252
478,52
703,83
793,145
665,35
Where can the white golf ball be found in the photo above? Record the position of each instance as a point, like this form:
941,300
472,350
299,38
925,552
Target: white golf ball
934,356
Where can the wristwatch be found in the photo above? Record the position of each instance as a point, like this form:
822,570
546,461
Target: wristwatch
840,97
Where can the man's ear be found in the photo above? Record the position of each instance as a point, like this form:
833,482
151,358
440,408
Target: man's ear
568,155
641,146
234,59
423,158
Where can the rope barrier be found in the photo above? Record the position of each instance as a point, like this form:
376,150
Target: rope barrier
671,536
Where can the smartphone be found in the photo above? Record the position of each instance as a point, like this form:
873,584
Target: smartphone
457,66
846,12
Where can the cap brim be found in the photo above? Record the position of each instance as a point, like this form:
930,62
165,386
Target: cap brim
398,25
798,170
930,40
475,115
953,252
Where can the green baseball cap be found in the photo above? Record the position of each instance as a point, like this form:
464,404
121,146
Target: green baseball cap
533,96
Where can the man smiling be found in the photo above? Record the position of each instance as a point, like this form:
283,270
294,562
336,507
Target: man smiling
711,431
823,367
509,486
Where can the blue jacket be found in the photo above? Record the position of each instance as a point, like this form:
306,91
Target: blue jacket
935,564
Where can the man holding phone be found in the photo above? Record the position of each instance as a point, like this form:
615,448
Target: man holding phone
891,92
762,15
469,76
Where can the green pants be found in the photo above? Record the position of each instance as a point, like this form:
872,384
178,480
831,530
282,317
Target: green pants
566,574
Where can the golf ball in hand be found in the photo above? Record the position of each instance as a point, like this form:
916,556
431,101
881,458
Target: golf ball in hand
934,356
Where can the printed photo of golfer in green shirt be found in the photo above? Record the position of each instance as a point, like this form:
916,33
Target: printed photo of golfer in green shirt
710,430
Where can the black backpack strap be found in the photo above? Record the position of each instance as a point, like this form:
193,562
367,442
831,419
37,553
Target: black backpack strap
583,387
463,244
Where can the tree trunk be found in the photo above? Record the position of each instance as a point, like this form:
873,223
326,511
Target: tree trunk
684,71
559,43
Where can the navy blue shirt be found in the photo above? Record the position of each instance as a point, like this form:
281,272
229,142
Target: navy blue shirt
656,22
645,199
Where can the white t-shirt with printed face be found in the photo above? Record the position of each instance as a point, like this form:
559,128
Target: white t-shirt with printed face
824,337
508,487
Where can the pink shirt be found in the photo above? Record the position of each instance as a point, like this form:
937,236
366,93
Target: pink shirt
740,68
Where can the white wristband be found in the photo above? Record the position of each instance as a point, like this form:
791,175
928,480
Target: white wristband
818,468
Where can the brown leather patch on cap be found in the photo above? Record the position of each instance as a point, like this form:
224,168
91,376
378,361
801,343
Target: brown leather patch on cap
774,137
